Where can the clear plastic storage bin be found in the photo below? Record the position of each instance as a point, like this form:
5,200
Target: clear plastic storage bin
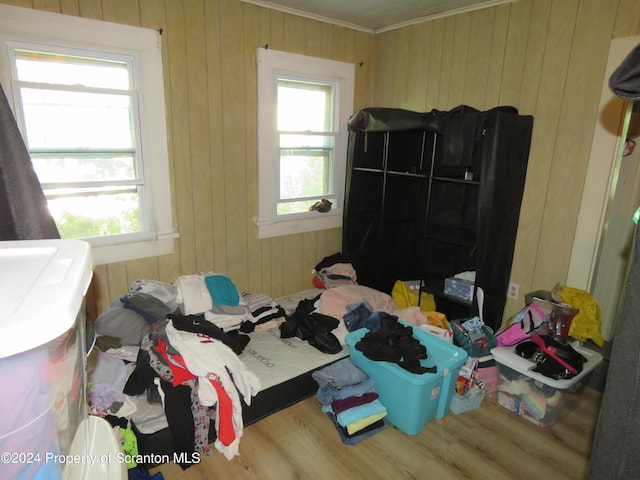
42,354
541,400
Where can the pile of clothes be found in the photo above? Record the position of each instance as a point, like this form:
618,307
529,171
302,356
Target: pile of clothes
334,271
201,378
349,398
180,344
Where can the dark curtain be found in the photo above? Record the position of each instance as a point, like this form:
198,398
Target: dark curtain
23,207
615,447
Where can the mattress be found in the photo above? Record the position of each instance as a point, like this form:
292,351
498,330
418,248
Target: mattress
284,367
275,360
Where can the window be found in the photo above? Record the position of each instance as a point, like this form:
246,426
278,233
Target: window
88,110
79,119
304,104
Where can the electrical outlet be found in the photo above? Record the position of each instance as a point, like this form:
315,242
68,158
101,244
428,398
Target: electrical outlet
514,291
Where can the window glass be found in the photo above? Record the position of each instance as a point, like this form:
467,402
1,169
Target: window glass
81,136
304,106
33,66
62,119
83,167
306,159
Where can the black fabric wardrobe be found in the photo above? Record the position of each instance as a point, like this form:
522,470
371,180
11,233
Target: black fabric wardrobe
432,194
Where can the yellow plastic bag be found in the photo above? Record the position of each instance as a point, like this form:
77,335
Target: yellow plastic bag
587,323
404,297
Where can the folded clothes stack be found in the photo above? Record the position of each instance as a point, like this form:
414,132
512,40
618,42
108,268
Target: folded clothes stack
348,397
215,296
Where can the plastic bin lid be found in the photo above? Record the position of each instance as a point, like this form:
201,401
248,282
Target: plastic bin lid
509,358
43,284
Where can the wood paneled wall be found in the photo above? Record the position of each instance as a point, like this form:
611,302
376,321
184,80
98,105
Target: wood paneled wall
545,57
210,82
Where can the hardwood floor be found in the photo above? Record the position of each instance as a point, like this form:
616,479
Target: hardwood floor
490,442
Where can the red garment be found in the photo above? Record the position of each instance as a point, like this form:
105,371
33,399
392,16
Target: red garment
224,427
180,373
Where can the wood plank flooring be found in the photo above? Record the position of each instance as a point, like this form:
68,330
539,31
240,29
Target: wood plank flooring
490,443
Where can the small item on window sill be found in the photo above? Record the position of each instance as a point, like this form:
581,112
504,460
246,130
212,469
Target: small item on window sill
321,206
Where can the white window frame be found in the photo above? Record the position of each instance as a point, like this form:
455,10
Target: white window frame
143,45
272,64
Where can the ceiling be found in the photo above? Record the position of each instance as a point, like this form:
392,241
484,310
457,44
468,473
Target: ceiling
375,15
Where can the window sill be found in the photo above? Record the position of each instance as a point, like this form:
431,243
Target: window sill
268,228
154,246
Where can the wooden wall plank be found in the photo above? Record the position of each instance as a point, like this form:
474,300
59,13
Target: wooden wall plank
349,45
534,55
538,170
583,83
418,61
398,95
514,58
496,55
383,79
202,193
251,33
179,142
313,38
278,259
121,11
90,9
101,295
233,128
141,268
216,150
292,251
22,3
459,61
553,75
627,18
310,258
70,7
446,65
477,69
327,44
117,280
294,34
434,65
339,44
277,30
363,59
48,5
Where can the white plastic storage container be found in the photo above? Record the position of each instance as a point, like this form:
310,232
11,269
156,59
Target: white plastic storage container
42,355
541,400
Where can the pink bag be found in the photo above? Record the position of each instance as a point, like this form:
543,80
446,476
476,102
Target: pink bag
487,372
531,319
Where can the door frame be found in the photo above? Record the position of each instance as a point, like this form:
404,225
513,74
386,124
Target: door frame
600,181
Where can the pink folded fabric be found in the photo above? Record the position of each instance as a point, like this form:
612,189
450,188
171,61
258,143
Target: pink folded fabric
343,404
